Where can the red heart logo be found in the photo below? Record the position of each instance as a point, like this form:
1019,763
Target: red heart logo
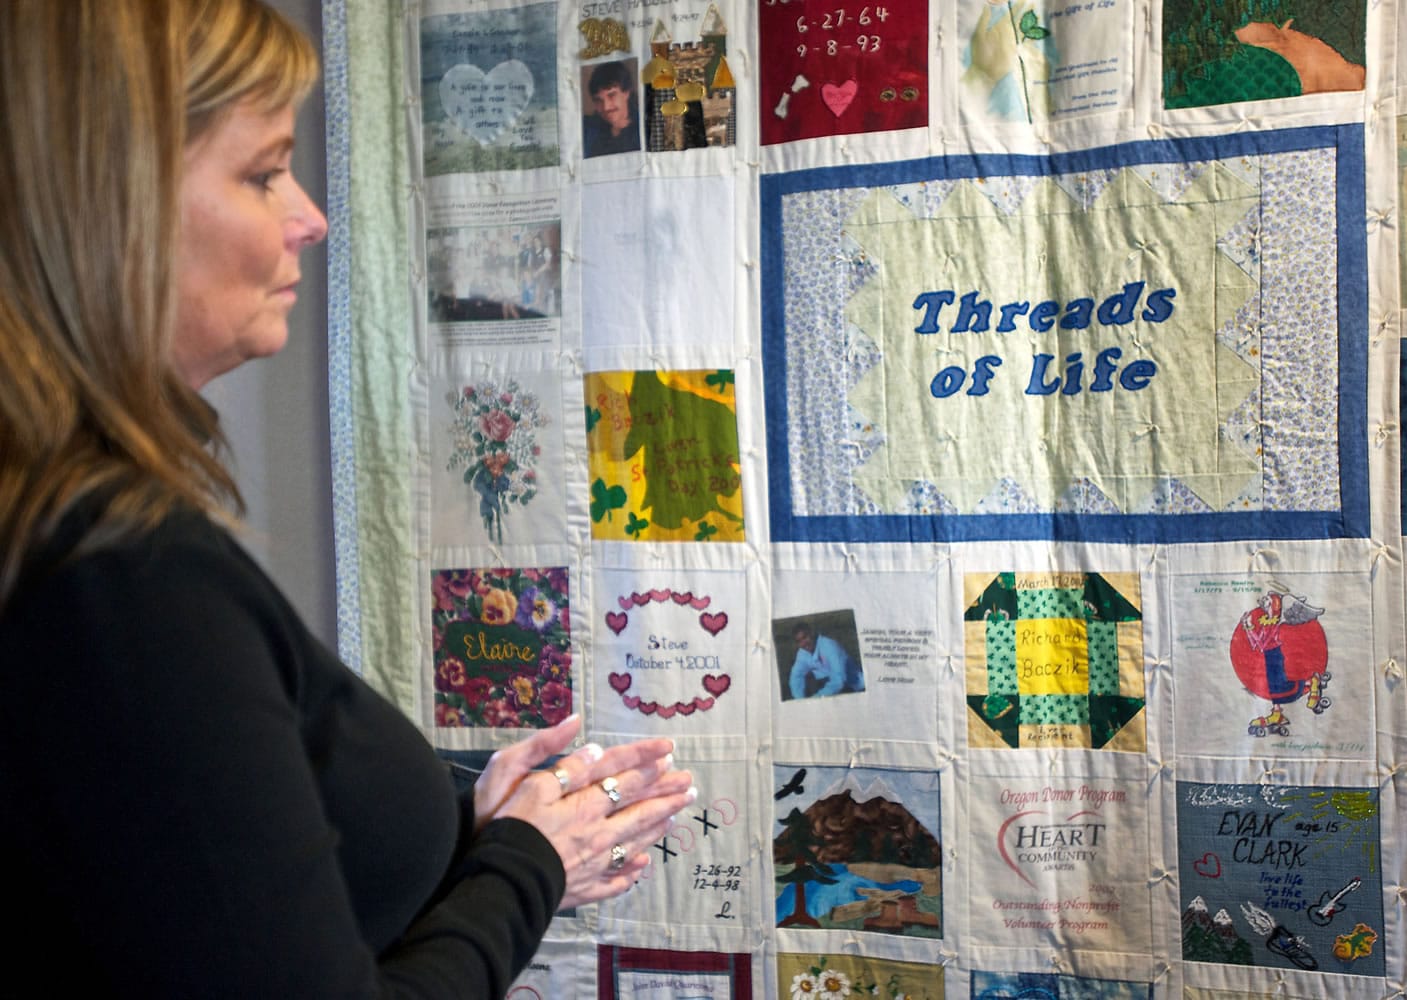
1209,866
713,624
717,683
667,711
620,682
703,704
616,621
660,595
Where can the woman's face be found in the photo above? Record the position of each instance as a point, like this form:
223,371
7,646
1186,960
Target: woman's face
244,220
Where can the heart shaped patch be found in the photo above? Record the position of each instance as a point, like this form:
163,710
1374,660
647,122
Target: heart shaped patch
483,105
838,98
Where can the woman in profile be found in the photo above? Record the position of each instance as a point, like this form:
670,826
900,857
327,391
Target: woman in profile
198,799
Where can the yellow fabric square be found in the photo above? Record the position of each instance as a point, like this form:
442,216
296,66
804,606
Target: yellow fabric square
1052,656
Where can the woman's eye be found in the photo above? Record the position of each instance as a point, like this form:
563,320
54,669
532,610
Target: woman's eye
265,179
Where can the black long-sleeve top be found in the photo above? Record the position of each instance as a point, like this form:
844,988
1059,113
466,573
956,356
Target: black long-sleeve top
198,800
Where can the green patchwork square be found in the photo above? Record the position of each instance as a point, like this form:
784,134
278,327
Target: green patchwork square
1103,657
1053,602
1001,657
1055,710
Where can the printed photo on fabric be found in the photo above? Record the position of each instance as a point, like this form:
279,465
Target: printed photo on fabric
502,652
1055,660
496,459
657,265
1063,863
656,974
854,660
1200,374
498,280
818,655
1053,986
1225,51
1026,61
1274,664
488,90
670,660
663,456
703,872
610,114
839,67
1286,877
857,849
804,976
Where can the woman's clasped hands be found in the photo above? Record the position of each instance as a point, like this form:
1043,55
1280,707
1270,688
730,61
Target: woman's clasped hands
600,809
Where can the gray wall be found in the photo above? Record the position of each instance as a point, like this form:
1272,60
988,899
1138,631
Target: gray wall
275,411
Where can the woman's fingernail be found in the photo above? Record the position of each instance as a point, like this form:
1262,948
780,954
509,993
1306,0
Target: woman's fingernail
693,792
592,752
669,762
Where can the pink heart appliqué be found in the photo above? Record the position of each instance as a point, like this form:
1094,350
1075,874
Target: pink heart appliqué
620,683
616,621
1209,866
713,624
838,98
716,684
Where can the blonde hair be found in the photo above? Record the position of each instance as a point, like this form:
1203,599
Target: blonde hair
98,100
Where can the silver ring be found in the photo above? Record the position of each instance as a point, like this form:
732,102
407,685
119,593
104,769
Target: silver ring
563,778
611,787
618,857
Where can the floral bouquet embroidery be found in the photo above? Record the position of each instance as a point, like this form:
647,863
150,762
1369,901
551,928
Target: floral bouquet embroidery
493,442
502,647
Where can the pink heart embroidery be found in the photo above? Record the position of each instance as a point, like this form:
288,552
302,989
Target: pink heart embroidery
625,603
640,599
713,624
1209,866
660,595
648,707
685,707
682,599
703,704
667,711
717,683
616,621
838,98
620,682
630,701
699,603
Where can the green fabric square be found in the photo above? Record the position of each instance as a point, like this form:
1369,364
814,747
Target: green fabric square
1103,657
1001,657
1050,602
1055,710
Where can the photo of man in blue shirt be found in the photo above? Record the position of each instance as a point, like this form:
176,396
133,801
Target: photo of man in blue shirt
822,666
